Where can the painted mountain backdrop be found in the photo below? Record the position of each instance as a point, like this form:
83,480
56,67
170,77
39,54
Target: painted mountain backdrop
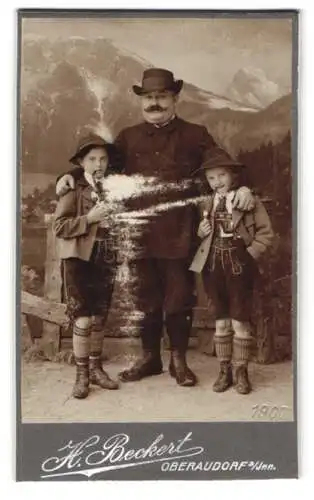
251,86
72,85
76,84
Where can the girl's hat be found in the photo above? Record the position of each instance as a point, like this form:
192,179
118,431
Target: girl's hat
218,158
155,79
90,141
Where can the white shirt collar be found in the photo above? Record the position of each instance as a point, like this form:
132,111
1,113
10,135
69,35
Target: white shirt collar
91,181
229,199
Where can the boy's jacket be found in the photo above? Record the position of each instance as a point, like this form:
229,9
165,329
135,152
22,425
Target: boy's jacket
75,236
254,227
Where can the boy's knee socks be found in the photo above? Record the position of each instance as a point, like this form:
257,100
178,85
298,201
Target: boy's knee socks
81,344
241,350
96,339
223,346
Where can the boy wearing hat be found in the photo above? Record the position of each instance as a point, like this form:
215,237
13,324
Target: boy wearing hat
86,247
232,242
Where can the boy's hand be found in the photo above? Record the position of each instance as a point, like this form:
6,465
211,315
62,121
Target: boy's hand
97,213
204,229
244,199
65,184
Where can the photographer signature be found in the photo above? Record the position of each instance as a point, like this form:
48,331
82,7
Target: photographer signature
95,454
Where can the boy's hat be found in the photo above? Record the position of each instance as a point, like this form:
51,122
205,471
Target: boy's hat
158,79
218,158
90,140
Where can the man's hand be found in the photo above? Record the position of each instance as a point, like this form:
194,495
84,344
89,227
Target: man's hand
204,229
97,213
244,199
65,184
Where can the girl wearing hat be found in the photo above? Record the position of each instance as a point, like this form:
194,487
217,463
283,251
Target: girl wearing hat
86,246
232,242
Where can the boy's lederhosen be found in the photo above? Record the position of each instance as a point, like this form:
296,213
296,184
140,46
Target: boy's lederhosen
228,274
88,285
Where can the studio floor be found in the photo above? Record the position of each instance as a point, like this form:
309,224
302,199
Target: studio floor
46,395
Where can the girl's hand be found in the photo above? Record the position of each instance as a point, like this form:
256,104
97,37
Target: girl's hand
97,213
204,229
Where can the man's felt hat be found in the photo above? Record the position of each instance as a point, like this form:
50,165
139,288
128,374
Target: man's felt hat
155,79
89,141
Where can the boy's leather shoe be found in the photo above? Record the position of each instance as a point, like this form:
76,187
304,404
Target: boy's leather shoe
80,389
224,379
242,383
99,377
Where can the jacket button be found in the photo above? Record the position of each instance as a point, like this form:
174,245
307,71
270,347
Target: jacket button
157,153
202,251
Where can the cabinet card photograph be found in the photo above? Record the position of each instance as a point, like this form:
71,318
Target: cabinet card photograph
157,206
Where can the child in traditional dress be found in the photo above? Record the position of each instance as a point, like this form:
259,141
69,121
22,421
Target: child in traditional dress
87,250
232,243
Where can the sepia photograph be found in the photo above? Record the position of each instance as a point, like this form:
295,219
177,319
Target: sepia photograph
157,181
157,185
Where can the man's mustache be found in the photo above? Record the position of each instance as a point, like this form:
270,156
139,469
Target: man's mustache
154,107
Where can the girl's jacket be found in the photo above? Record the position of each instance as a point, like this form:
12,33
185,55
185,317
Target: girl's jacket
75,236
254,227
